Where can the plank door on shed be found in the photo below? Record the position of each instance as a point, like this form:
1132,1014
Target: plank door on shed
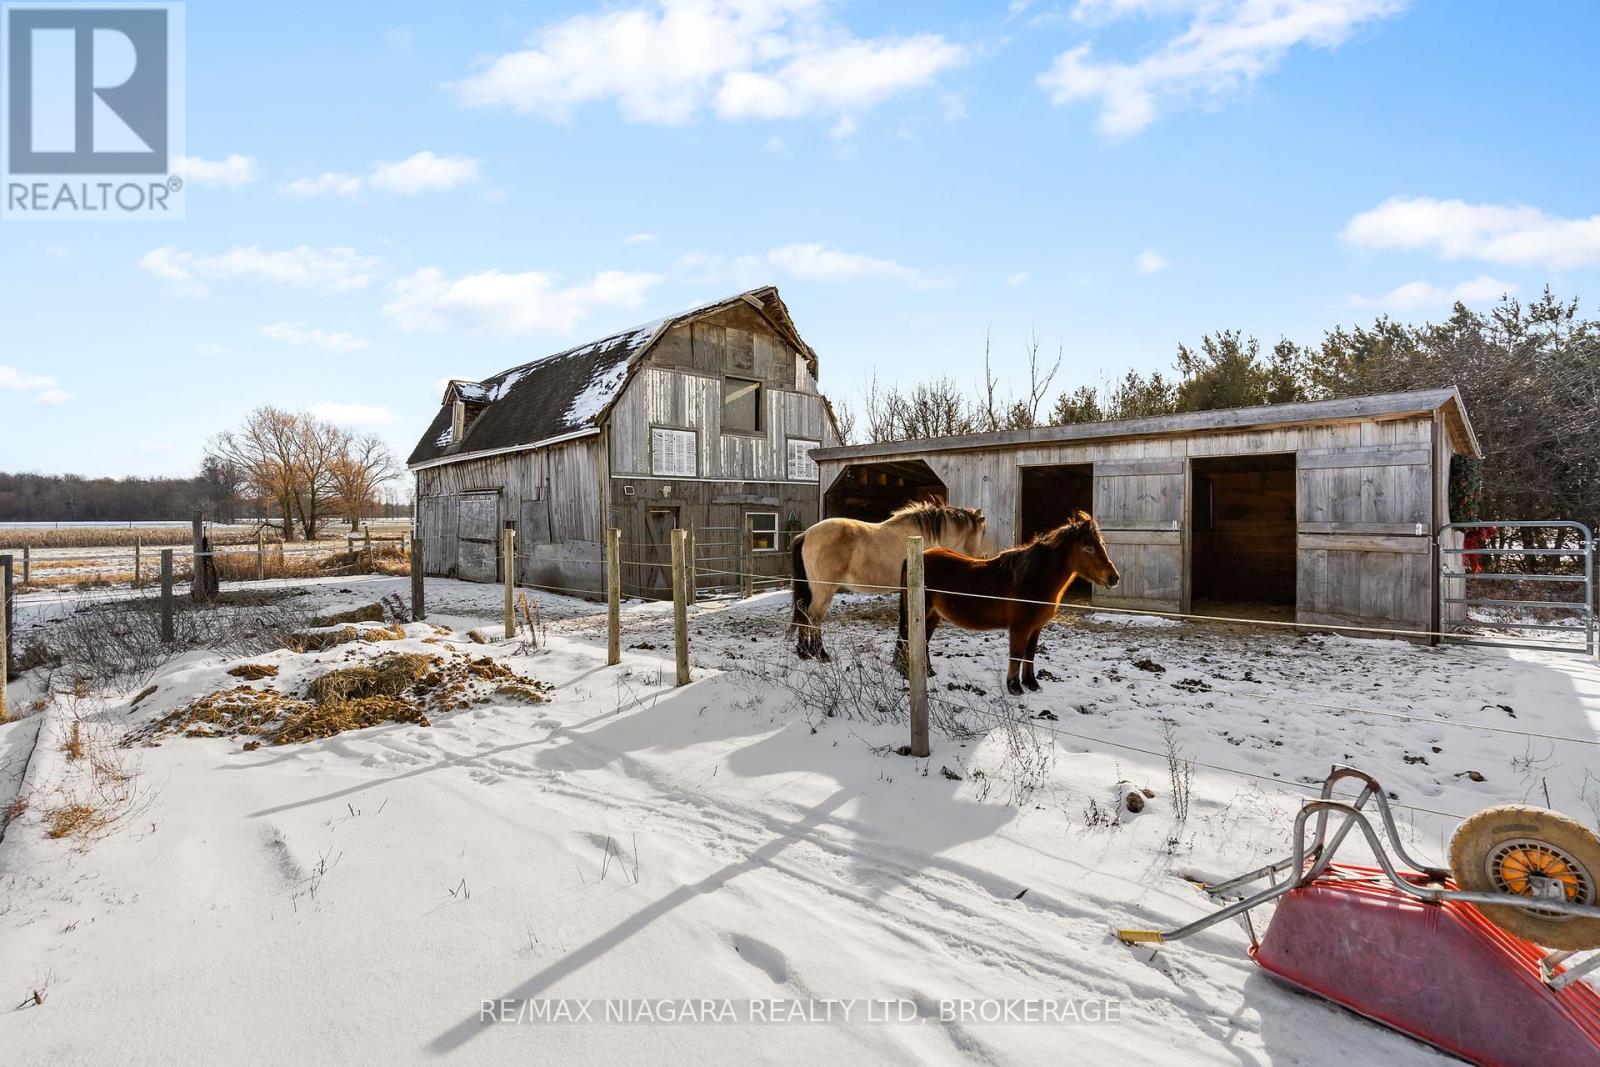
1366,535
478,536
1139,505
659,522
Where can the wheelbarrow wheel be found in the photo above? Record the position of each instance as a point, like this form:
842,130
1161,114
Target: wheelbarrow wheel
1525,850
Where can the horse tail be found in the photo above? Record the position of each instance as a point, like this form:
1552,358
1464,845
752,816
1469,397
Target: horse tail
801,589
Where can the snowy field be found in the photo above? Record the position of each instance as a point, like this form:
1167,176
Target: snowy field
360,898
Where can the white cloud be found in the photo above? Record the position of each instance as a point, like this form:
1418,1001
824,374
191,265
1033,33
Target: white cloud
400,39
326,269
1421,294
672,61
501,302
298,333
233,171
776,146
423,172
813,262
353,414
1496,233
639,239
1226,45
328,183
1150,261
845,127
1017,278
816,262
42,388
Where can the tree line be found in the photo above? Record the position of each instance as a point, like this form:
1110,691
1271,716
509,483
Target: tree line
1529,375
288,468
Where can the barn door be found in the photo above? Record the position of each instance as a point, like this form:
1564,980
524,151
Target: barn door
478,537
659,522
1366,535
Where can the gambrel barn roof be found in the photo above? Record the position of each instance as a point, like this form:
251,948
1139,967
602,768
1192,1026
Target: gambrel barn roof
569,392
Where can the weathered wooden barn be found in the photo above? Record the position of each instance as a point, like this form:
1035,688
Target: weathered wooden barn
1316,512
705,419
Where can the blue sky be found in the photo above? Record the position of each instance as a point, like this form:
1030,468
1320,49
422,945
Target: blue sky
384,195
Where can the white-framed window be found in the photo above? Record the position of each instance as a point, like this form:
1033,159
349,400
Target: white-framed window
801,466
762,528
673,452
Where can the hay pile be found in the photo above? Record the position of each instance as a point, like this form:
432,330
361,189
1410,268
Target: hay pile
252,672
320,641
396,687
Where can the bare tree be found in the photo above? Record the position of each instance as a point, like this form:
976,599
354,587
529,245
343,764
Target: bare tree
365,466
265,453
319,448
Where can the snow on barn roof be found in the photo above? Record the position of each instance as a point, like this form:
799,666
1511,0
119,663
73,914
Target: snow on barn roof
565,393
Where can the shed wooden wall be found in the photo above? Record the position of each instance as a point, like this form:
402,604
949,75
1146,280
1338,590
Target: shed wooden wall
553,497
1365,510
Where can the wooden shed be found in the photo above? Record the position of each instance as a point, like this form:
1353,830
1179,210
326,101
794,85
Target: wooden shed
1317,512
705,419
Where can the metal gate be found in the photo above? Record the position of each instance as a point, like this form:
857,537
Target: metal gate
1580,614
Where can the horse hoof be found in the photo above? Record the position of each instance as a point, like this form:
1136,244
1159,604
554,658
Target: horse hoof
802,652
1031,685
1013,687
823,656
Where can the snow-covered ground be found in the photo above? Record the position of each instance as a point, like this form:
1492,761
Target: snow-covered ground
360,898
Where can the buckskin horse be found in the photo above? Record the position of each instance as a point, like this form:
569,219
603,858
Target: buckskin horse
867,557
1019,590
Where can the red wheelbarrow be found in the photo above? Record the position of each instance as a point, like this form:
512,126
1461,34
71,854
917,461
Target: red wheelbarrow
1451,957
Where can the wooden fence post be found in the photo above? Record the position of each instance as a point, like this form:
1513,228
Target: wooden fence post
694,579
138,552
613,597
5,665
419,607
27,564
746,560
509,540
917,646
10,602
166,595
196,584
366,535
680,607
261,555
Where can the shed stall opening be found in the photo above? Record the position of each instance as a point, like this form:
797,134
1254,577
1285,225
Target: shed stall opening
872,491
1051,495
1243,543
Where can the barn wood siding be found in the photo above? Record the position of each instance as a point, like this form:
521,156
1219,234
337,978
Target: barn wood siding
681,387
552,494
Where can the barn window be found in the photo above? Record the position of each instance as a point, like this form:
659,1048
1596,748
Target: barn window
741,405
801,467
763,529
672,452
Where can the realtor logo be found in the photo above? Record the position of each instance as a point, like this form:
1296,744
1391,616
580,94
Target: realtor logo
93,110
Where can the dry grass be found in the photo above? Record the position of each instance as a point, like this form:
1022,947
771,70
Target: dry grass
72,747
319,641
75,819
253,672
387,676
371,613
241,565
123,537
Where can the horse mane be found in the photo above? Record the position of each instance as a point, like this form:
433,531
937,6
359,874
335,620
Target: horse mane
1027,560
932,518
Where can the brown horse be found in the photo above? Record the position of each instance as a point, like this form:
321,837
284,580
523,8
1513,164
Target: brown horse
1019,590
867,557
